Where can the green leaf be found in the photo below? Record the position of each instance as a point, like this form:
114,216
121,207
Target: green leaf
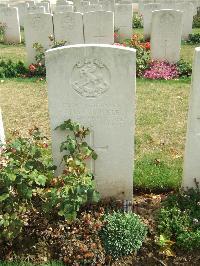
4,197
41,180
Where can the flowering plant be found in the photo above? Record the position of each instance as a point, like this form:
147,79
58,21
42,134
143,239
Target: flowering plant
161,70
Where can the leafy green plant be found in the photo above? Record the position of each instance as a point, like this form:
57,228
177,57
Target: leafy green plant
179,219
165,245
194,38
28,185
2,31
122,234
184,68
11,69
24,170
196,21
39,69
75,186
137,21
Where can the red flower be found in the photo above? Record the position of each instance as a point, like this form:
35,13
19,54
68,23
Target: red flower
32,68
147,45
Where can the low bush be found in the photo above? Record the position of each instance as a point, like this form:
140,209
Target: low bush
194,38
137,21
184,68
179,219
142,53
11,69
122,234
28,185
196,21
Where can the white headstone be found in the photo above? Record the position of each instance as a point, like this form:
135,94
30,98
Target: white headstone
2,134
22,11
124,20
147,17
36,10
62,9
166,35
99,27
192,149
108,5
37,29
9,16
94,7
45,5
82,7
89,91
188,13
69,27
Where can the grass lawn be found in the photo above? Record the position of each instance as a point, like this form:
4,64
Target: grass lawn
160,119
160,124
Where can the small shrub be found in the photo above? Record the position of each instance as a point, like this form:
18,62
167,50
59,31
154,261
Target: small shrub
11,69
122,234
179,219
137,22
196,21
28,185
2,31
142,53
38,68
184,68
75,186
194,38
24,171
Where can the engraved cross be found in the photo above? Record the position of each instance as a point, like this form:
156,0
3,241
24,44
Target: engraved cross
96,149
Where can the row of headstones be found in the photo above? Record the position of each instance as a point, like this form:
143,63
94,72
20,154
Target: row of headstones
85,84
61,6
188,9
76,28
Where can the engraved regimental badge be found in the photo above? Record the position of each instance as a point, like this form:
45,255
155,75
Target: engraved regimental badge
90,78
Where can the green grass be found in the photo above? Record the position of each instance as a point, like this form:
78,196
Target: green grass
160,124
13,52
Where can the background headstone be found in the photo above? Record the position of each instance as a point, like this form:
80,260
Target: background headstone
99,27
69,27
147,18
166,35
37,29
9,16
124,20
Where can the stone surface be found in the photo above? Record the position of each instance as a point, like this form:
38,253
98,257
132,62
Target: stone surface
166,35
85,84
192,149
2,134
108,5
69,27
99,27
65,8
188,13
45,5
124,20
147,18
93,7
9,16
36,9
22,11
82,6
37,29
